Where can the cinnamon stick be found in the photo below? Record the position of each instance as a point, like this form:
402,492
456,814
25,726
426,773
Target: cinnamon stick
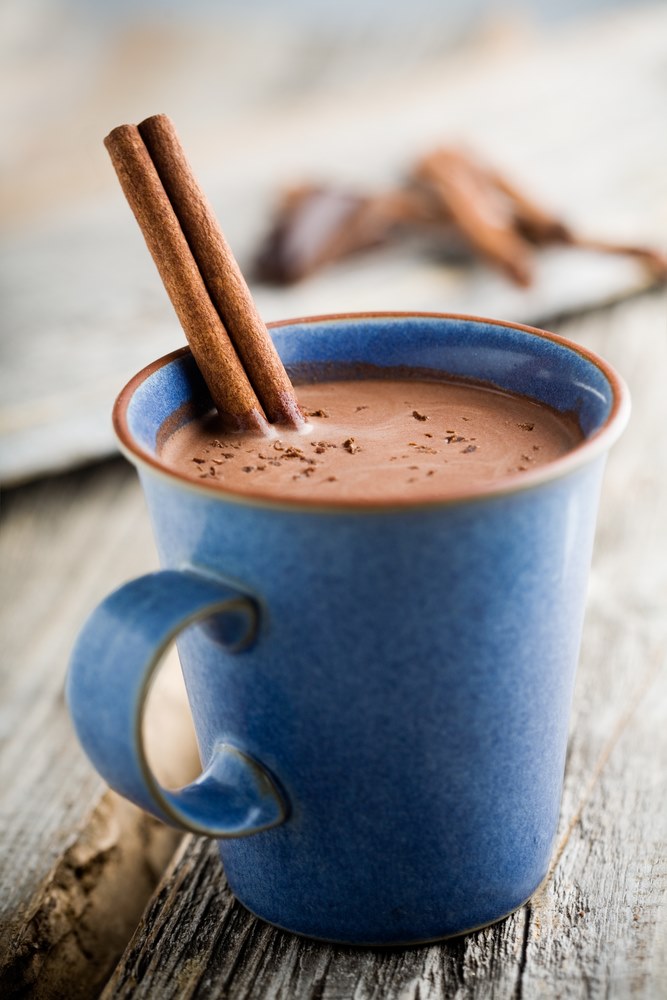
221,274
468,196
533,221
213,351
448,192
653,259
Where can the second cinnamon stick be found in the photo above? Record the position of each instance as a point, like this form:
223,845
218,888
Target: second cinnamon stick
214,353
221,273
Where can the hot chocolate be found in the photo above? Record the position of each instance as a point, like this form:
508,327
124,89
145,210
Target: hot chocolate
380,439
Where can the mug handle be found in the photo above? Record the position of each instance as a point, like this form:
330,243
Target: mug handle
115,657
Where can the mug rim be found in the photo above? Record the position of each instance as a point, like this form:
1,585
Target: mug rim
582,454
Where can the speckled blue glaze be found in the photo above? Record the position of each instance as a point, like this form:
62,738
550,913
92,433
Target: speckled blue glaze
391,730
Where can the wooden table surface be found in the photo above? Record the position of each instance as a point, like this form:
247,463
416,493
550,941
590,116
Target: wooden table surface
96,897
79,865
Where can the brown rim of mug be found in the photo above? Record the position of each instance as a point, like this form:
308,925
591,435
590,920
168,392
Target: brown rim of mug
586,451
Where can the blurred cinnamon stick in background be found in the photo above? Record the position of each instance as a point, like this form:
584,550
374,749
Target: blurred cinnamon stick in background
447,191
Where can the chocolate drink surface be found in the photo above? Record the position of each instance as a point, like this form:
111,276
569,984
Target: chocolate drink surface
380,439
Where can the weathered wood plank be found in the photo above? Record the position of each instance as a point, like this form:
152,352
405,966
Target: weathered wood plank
597,927
77,864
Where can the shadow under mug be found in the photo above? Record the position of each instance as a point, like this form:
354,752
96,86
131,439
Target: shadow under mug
381,693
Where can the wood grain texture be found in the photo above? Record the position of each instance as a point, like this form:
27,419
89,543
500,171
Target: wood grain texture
597,928
77,863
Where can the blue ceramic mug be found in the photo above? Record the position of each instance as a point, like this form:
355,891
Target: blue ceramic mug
380,692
